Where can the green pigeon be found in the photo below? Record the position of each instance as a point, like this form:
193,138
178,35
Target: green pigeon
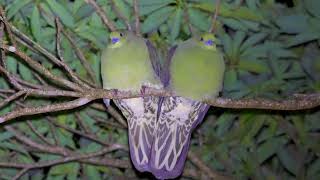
195,72
129,63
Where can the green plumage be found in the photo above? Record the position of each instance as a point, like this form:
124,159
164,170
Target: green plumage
196,70
127,66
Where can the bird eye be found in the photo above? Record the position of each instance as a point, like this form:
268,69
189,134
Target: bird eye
121,34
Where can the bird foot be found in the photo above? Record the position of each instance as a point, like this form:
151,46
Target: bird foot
143,90
114,92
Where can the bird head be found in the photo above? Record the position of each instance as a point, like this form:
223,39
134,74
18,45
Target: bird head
116,39
208,41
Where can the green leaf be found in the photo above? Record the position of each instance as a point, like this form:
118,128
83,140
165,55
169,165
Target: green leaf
15,147
302,38
76,6
234,24
227,11
227,44
153,2
230,78
47,15
296,23
12,64
25,72
313,169
5,135
60,10
146,7
155,19
199,19
288,160
35,24
313,7
224,123
15,7
65,169
255,66
176,24
269,148
123,8
91,172
237,40
252,40
251,25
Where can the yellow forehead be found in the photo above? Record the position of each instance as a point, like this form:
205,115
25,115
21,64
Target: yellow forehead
208,36
115,34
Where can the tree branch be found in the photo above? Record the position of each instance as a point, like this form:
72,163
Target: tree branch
120,15
203,167
11,98
44,109
28,42
298,102
70,158
109,24
136,15
41,147
81,56
215,16
42,70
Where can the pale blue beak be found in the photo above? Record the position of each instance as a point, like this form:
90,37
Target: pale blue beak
209,43
114,40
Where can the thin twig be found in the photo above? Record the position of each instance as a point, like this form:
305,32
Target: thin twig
41,147
58,39
115,114
8,28
187,19
12,80
203,167
7,91
214,19
108,123
67,159
82,125
21,173
34,130
42,70
136,15
81,57
44,109
11,98
112,111
44,52
120,15
87,136
109,24
73,76
2,34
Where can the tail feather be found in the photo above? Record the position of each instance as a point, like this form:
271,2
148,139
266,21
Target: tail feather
178,117
141,116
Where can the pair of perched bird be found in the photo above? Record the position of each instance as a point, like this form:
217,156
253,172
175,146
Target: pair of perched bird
160,127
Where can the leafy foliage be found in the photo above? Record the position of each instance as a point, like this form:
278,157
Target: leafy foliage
271,50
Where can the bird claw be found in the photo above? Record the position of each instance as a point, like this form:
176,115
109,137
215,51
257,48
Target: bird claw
114,92
143,90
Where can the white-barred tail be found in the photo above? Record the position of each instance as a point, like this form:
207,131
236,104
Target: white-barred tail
178,117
